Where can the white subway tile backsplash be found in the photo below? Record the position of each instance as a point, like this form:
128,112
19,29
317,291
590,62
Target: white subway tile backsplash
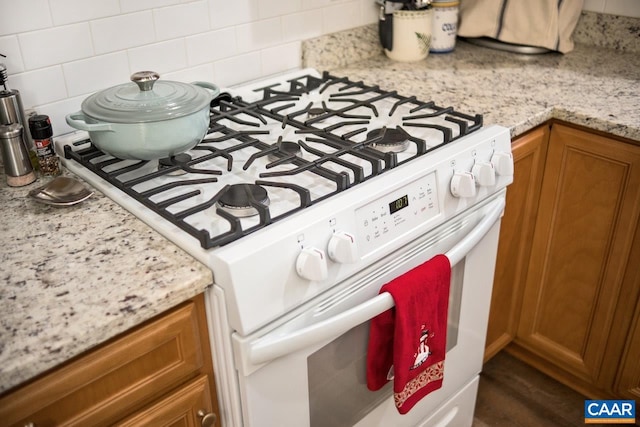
24,15
225,13
57,111
238,69
370,12
40,86
128,6
160,57
594,5
259,35
281,58
182,20
623,7
188,75
301,26
123,32
69,11
55,45
96,73
341,17
271,8
9,47
211,46
315,4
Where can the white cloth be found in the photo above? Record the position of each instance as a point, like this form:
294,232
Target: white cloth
542,23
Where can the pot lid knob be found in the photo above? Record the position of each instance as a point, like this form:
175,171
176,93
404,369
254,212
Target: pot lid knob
145,79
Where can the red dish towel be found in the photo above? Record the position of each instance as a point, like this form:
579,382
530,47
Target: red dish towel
408,342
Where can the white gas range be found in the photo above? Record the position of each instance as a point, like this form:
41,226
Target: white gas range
308,193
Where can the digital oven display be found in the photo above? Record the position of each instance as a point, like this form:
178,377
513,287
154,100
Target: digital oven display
398,204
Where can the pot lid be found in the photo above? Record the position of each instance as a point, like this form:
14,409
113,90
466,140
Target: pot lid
147,99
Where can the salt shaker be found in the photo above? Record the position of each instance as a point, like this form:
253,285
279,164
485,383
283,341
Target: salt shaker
15,156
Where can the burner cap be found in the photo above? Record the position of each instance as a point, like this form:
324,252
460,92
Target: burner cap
236,199
286,147
177,160
393,140
315,112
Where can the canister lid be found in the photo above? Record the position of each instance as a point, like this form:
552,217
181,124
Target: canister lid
40,126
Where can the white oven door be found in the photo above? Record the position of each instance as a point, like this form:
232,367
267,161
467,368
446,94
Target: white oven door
310,369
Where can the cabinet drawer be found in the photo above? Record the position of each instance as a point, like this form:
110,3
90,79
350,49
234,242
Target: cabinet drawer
106,384
179,408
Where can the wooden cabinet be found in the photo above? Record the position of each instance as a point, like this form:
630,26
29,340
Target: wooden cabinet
575,298
529,153
586,221
160,367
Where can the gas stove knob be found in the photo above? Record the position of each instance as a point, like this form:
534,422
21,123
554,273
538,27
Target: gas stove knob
343,248
463,184
312,264
485,174
503,162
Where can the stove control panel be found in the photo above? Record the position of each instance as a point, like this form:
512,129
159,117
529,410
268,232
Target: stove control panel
397,213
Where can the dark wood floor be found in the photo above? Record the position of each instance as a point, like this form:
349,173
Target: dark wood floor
512,394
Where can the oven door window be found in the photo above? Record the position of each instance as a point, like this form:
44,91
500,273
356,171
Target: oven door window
338,393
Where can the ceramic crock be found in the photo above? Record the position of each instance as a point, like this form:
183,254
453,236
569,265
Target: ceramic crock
411,35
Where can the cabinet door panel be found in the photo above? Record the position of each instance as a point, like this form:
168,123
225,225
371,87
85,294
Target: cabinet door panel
516,231
588,205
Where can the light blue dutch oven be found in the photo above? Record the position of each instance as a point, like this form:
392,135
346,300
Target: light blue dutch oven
147,119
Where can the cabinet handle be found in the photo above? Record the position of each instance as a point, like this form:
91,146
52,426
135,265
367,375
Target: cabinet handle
208,420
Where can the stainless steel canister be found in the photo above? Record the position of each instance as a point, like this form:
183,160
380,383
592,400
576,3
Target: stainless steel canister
15,156
11,111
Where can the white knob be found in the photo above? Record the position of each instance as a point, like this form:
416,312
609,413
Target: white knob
503,162
312,264
463,184
485,173
343,248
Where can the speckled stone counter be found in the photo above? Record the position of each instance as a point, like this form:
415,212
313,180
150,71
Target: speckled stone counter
597,87
73,277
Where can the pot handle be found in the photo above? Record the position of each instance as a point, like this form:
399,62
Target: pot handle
79,121
214,89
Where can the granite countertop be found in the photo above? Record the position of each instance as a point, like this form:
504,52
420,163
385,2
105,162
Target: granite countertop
596,87
75,277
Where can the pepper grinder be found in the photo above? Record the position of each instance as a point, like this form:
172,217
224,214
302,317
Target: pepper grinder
15,156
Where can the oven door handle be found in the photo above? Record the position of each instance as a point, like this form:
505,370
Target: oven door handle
267,349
